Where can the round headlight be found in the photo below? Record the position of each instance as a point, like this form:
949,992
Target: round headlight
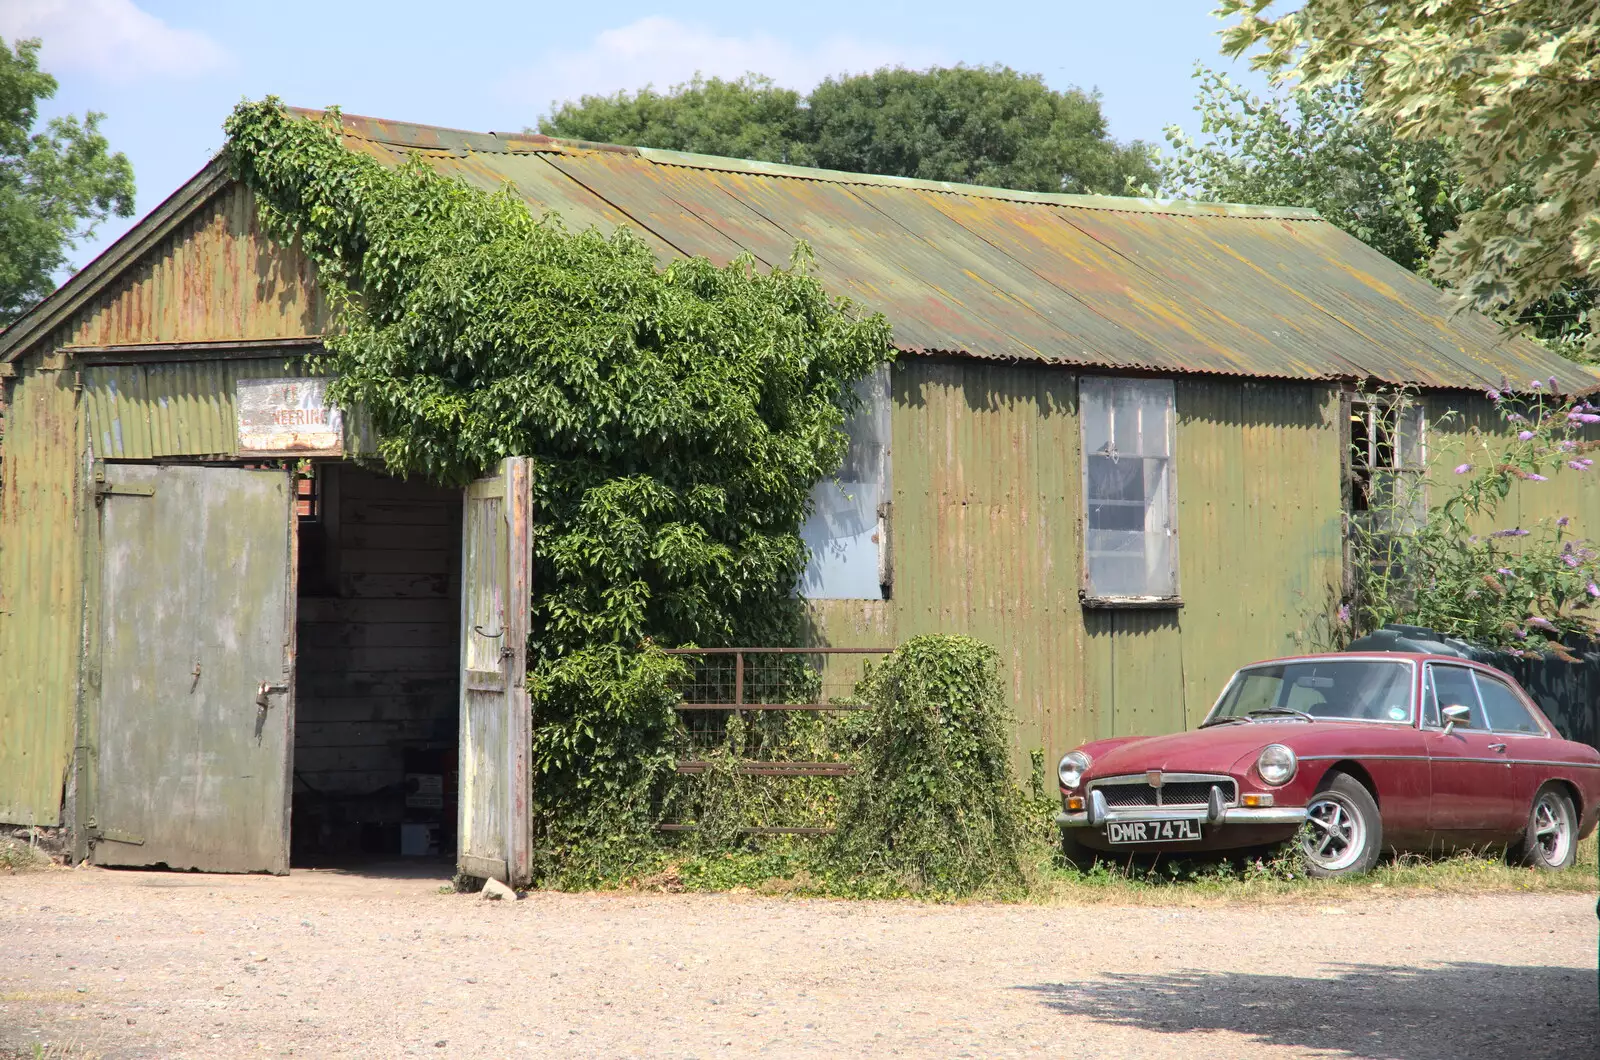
1276,764
1071,768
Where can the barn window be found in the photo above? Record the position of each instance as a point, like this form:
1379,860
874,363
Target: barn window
1130,512
1387,458
848,532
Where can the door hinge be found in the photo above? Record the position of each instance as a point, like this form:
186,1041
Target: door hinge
103,489
111,835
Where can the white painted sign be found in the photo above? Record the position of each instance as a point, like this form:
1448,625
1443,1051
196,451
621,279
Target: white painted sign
287,417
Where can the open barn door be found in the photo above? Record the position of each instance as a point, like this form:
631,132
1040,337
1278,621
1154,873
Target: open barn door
195,678
496,726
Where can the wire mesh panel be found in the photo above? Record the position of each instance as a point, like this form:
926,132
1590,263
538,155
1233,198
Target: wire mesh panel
762,720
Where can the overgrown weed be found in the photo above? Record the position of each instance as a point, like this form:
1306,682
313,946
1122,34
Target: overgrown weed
18,855
787,866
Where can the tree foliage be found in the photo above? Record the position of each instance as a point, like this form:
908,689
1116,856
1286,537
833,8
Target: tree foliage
678,416
1313,147
978,125
1514,86
56,183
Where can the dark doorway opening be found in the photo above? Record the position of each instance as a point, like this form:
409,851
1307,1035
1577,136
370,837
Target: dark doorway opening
377,687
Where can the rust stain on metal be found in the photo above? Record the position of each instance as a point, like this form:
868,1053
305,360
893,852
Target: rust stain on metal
995,274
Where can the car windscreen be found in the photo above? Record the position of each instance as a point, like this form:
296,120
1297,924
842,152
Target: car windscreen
1361,690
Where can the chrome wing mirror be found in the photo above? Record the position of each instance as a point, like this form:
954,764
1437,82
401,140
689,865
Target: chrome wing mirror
1455,715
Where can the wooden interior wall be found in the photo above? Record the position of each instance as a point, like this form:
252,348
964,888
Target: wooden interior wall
379,641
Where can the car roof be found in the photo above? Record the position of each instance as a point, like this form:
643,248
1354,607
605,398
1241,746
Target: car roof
1373,656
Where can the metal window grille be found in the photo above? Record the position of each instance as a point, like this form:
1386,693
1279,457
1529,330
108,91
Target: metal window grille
754,708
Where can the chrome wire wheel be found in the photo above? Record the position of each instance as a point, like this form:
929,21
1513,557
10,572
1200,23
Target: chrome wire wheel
1336,836
1552,829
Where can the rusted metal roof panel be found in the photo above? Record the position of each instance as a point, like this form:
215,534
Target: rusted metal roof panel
983,272
1096,281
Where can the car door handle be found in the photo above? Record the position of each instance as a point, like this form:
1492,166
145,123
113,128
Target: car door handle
1498,747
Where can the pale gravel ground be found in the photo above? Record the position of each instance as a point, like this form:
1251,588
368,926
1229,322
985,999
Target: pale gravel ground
145,964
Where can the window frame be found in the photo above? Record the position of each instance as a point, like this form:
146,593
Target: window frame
1430,691
1087,594
1383,418
1479,678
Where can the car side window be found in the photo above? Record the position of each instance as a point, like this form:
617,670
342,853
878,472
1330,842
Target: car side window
1502,709
1430,702
1453,686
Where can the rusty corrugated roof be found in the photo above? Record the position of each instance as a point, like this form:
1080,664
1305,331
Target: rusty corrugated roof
984,272
1100,281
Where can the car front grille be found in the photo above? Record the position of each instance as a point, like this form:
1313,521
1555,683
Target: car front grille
1191,791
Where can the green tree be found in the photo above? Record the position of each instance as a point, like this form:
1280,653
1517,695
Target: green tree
1512,85
1312,147
746,118
974,125
56,185
980,125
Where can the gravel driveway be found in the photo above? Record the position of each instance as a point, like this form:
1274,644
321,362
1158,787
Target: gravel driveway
324,964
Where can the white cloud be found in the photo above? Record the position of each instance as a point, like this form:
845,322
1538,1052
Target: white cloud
663,52
111,38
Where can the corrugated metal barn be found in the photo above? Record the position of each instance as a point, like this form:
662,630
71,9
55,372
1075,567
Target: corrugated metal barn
1122,445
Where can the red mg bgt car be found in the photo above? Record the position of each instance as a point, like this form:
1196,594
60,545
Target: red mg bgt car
1366,752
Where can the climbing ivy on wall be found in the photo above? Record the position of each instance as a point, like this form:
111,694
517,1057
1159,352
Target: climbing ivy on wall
679,415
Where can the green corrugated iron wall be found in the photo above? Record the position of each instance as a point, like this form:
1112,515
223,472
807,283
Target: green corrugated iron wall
987,487
1452,418
146,412
40,594
1260,541
213,279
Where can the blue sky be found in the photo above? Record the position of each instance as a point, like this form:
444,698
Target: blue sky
166,72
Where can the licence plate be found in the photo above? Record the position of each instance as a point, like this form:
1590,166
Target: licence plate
1152,831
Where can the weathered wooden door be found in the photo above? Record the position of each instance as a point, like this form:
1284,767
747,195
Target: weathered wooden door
195,678
496,729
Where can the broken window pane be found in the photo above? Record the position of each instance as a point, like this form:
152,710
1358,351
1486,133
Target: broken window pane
847,529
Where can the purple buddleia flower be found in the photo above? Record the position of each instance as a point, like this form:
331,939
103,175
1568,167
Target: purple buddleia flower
1554,385
1520,634
1536,385
1576,465
1492,394
1524,436
1570,560
1593,590
1586,462
1542,623
1566,445
1513,417
1537,478
1504,572
1563,521
1463,469
1510,533
1344,614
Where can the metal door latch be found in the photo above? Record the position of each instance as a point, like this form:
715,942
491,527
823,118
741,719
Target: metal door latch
269,690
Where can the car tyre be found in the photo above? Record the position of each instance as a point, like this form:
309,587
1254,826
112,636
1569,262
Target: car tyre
1344,831
1549,841
1075,854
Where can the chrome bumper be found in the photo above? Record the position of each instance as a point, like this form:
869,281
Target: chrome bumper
1214,812
1269,815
